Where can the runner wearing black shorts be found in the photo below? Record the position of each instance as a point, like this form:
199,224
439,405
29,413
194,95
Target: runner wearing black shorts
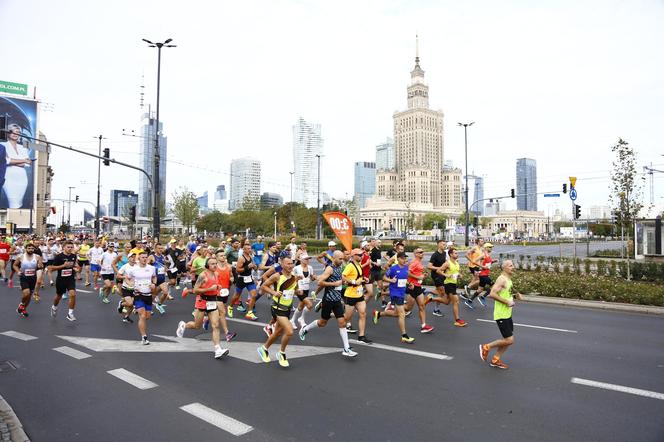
436,262
65,264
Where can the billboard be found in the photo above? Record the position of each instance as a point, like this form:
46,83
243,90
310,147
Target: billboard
17,157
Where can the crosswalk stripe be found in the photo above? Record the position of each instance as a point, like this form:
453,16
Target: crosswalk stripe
18,335
620,388
219,420
76,354
132,378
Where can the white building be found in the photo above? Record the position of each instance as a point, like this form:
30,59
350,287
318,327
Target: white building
385,155
599,212
245,182
148,133
307,143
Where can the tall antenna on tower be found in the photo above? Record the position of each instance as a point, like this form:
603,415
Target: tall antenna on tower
142,93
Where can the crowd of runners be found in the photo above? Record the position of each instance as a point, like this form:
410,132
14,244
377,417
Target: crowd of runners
141,276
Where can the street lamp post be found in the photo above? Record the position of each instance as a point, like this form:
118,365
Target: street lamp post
465,139
318,232
101,137
275,226
156,193
69,208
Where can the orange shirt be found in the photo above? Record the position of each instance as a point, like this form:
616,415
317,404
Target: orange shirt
224,277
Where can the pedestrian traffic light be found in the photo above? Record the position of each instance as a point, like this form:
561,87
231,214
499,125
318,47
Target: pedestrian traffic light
107,156
564,187
132,214
76,198
512,193
577,211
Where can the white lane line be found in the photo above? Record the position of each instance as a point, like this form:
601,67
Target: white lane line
246,321
84,291
18,335
219,420
132,378
72,352
406,350
537,326
620,388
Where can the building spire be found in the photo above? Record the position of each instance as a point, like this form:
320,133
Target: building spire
417,50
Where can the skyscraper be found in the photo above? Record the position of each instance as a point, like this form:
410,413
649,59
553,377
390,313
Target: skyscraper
245,182
148,134
385,155
307,143
220,193
478,195
203,201
121,201
526,184
365,182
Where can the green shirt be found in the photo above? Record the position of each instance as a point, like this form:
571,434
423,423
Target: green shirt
198,265
501,310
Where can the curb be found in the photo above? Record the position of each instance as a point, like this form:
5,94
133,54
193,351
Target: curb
600,305
10,426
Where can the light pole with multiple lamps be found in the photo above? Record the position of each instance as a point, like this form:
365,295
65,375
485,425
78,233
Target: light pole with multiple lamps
156,193
465,139
97,227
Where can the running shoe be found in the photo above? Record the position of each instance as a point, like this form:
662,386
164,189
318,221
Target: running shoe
319,305
144,340
206,324
376,316
120,306
293,324
496,362
180,330
350,329
484,352
87,284
54,311
429,298
229,311
460,323
106,300
407,339
22,312
437,312
127,319
52,282
364,339
101,292
482,300
36,297
468,303
10,284
301,322
97,287
302,333
250,316
242,308
65,296
426,329
408,312
268,330
219,352
71,317
349,353
264,355
185,292
160,308
281,356
230,336
466,292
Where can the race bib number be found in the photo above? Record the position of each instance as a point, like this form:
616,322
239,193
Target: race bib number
303,284
259,253
287,295
29,272
106,269
3,251
210,305
338,288
401,282
247,279
161,271
224,292
360,290
66,272
455,276
142,286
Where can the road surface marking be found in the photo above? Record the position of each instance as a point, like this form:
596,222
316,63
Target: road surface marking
84,291
219,420
18,335
246,321
620,388
536,326
406,350
131,378
72,352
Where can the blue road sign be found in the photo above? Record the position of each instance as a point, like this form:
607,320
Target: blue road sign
551,195
572,194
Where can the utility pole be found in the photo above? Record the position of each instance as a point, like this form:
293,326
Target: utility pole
318,229
98,187
69,208
465,139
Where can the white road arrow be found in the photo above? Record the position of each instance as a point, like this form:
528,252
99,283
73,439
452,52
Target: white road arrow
241,350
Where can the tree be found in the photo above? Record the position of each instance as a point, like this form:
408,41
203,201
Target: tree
429,220
185,207
214,221
626,196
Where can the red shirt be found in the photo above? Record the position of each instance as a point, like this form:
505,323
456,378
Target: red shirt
365,270
417,269
4,251
486,261
224,276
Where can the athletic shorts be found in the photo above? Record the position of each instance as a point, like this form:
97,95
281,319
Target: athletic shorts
450,289
161,279
352,301
64,285
143,301
437,280
396,300
108,276
485,281
474,270
127,293
28,282
81,264
201,303
48,263
250,287
95,268
375,275
172,274
304,295
330,307
506,327
416,291
279,312
223,299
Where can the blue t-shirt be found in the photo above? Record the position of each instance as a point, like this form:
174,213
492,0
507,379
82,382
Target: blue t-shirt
259,249
398,289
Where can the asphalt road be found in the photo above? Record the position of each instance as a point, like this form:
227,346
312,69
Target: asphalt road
443,393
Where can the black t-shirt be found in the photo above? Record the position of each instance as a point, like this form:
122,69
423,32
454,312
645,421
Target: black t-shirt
376,254
60,259
437,259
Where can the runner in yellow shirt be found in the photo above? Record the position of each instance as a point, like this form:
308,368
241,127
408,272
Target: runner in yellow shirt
84,261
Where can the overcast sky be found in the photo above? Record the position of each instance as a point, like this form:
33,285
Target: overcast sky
556,81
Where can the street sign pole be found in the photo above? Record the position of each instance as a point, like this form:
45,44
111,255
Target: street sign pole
572,196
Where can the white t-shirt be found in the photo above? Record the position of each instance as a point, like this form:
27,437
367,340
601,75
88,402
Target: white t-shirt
122,271
303,284
107,259
142,277
95,254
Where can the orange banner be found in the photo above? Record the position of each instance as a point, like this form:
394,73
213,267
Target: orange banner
342,226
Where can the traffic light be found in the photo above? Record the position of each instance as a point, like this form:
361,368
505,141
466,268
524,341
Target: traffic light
107,156
76,198
512,193
564,187
577,211
132,214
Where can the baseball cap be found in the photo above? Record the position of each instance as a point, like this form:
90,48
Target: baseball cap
364,244
304,256
402,255
172,240
331,243
489,245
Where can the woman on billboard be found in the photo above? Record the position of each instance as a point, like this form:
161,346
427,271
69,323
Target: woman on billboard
18,160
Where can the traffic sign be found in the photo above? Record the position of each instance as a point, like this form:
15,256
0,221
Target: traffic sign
551,195
572,194
572,181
